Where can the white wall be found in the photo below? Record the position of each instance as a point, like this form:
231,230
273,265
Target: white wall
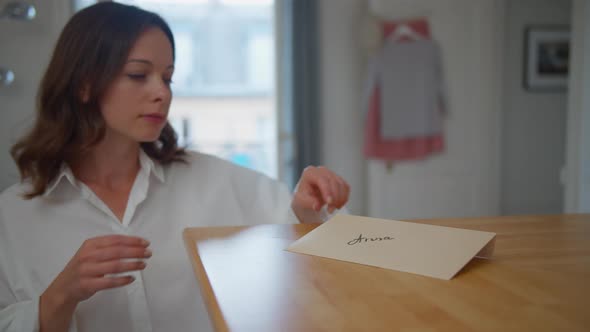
25,48
577,195
505,145
533,126
464,180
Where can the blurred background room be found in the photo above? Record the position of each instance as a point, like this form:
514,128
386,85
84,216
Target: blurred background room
502,88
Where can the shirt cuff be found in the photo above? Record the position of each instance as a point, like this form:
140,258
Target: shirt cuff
291,217
21,316
321,216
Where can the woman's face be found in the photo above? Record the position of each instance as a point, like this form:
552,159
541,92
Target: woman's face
135,106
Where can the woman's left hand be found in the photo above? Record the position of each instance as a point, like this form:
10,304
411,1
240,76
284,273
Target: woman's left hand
318,186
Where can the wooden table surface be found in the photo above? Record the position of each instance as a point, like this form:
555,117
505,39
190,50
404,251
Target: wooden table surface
537,280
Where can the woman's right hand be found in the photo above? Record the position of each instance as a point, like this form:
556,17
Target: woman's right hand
89,271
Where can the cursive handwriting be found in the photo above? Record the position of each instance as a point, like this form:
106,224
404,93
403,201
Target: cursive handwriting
362,239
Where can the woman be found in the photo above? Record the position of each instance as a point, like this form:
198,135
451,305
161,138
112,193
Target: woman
90,240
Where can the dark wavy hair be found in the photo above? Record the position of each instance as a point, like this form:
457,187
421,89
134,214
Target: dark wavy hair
90,52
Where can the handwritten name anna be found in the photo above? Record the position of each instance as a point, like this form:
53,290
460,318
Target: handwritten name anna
362,239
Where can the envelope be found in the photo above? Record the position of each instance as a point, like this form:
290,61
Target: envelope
428,250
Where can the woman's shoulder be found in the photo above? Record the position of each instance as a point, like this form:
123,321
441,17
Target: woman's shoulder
199,161
205,168
15,192
13,202
195,157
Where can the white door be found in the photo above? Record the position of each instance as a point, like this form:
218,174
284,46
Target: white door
462,181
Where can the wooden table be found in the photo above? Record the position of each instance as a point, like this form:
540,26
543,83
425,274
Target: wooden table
538,280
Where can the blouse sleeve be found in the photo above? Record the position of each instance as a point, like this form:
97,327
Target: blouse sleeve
263,200
15,315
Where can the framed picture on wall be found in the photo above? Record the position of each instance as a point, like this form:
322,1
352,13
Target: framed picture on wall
547,53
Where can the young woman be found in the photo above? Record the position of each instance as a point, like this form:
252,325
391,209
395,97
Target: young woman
90,240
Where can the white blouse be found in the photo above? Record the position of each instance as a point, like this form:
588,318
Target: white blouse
39,236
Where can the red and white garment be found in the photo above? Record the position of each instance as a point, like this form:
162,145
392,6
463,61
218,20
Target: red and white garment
404,95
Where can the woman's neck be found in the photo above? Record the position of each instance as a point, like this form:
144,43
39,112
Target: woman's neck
108,165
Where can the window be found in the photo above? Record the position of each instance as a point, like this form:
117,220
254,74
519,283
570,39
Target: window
224,78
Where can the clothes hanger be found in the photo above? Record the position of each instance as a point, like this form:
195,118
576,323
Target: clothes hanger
403,30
